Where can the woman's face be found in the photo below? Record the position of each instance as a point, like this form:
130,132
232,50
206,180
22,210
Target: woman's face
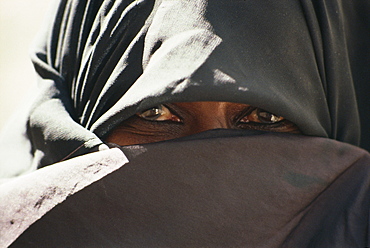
175,120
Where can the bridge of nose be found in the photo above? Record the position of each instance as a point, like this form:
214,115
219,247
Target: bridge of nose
211,115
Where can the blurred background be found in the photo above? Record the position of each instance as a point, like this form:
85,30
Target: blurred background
20,20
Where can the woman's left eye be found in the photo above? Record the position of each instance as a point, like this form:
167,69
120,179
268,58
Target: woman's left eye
261,116
158,113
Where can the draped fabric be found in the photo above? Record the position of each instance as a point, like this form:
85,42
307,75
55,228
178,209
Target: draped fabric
214,190
99,62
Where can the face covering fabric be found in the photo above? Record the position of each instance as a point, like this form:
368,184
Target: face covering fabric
259,190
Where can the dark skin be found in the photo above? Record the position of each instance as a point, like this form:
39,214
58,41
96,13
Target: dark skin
176,120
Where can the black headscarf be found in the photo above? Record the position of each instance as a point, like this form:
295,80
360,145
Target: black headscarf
100,62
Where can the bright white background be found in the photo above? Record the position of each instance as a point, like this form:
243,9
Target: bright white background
20,20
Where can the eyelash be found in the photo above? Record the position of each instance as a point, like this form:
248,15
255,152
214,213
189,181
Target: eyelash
261,122
259,126
154,121
175,119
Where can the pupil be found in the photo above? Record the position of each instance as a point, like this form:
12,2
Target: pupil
154,111
274,118
268,117
265,115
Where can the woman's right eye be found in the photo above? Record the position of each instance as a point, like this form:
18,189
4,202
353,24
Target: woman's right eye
159,113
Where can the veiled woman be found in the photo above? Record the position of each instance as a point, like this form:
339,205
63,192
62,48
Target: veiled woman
194,124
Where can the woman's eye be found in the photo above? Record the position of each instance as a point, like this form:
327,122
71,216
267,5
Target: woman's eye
261,116
158,113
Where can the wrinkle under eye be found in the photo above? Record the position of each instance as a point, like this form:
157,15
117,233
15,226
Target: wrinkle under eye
175,120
